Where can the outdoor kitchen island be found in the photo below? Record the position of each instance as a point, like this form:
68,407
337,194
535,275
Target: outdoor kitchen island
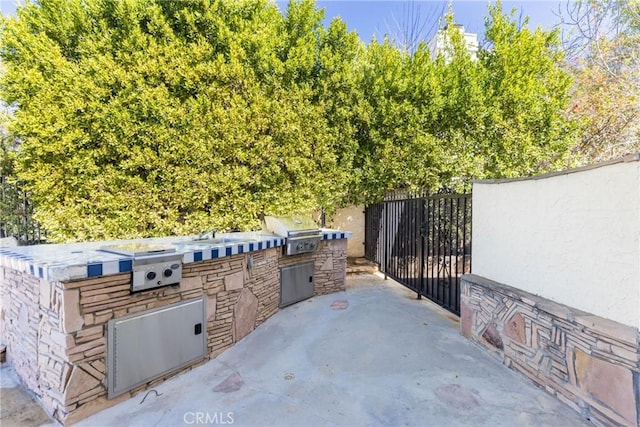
88,325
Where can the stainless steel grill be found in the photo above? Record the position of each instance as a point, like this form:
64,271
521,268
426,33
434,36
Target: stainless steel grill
302,234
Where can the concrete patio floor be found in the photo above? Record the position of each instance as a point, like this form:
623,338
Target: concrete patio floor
385,359
373,355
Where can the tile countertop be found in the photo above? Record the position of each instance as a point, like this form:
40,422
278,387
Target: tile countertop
75,261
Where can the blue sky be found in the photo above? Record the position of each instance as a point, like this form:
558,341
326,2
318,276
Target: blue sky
369,17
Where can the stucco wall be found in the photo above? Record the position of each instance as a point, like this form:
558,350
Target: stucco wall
572,238
351,219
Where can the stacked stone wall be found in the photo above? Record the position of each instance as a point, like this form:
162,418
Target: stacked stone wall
590,363
330,265
56,332
21,325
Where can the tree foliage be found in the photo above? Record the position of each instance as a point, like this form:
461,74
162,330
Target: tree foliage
141,117
150,117
526,92
603,45
440,122
7,146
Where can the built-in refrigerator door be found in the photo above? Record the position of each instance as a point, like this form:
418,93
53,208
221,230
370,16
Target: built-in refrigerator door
296,283
146,345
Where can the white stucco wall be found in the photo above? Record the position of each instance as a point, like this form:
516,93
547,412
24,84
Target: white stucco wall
351,219
572,238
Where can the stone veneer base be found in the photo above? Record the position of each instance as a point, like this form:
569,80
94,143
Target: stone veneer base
56,332
588,362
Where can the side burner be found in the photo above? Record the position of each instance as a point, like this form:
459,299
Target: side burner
153,265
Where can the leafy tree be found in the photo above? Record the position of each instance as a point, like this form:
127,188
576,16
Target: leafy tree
15,207
8,191
337,89
461,107
437,123
526,92
603,43
7,146
143,118
395,148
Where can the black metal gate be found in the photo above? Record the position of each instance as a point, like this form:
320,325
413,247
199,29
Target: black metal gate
16,214
423,243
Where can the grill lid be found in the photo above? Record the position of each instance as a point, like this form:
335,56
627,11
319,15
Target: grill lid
292,226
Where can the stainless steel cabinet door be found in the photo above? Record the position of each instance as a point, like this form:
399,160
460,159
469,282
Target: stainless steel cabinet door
146,345
296,283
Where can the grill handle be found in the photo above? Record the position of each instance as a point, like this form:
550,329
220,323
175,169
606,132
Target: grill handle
304,233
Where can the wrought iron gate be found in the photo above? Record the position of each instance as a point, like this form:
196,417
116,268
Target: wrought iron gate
423,243
16,214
